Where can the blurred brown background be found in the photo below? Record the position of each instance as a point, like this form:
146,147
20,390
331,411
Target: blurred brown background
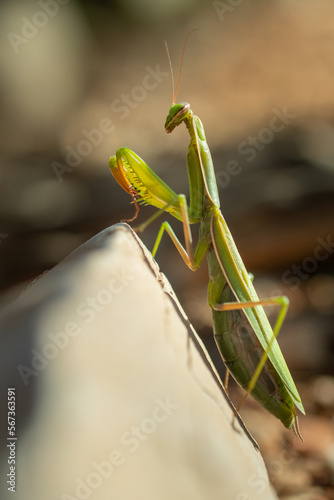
80,79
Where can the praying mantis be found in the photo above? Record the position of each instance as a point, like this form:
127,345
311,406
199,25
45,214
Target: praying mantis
243,334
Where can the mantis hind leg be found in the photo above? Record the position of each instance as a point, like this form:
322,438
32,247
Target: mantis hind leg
235,306
283,302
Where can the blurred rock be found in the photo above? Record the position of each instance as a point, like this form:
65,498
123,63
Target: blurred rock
44,70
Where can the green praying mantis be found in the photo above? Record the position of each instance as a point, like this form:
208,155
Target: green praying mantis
243,334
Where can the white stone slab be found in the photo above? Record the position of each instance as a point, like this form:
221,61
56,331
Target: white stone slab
115,397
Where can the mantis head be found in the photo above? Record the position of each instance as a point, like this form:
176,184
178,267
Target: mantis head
176,115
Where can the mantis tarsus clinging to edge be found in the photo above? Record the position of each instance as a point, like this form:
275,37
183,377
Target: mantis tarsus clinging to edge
244,336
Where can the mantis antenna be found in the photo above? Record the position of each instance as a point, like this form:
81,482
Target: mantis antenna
171,70
180,66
